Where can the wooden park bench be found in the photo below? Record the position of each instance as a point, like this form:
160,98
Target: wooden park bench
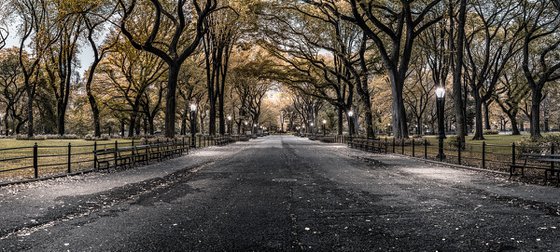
220,141
128,156
549,163
115,156
370,145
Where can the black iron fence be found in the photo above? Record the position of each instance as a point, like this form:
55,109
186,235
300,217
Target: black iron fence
45,161
479,155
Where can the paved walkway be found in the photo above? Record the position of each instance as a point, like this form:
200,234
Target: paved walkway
281,193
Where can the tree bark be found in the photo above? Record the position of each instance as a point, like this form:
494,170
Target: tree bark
171,100
479,129
536,98
460,116
487,125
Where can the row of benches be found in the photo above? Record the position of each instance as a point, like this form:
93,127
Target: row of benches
129,156
548,163
370,145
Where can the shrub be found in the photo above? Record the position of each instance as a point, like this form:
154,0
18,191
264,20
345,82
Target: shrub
491,132
453,142
92,138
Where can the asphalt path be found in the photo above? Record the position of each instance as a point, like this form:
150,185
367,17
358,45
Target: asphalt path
282,193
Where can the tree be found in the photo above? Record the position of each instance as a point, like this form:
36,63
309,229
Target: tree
223,30
61,60
458,46
12,90
94,18
489,47
37,25
540,54
130,73
170,38
319,60
419,91
511,91
393,29
3,37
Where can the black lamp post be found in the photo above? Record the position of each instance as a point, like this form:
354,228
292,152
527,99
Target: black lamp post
245,125
324,123
229,125
351,124
193,125
440,102
312,128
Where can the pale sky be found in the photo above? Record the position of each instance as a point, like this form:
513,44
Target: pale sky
85,57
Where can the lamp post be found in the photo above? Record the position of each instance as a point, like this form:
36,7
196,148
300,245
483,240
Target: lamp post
351,124
193,125
229,124
312,128
254,128
440,99
245,125
324,123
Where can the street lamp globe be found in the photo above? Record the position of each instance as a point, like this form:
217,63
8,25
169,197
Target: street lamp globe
246,123
440,92
229,118
311,124
350,113
193,107
324,121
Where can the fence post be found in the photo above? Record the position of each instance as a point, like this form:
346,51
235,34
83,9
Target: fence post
513,153
483,154
69,158
425,149
413,148
94,155
552,151
115,155
35,163
393,144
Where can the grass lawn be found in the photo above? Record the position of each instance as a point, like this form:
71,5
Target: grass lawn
16,156
52,156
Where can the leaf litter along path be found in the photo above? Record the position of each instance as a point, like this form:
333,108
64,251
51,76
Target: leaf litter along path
281,193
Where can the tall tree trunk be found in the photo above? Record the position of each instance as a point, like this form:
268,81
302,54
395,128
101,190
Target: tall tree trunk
479,130
340,122
151,125
460,115
94,111
61,114
514,127
132,122
400,126
536,98
122,128
171,101
184,124
487,125
30,96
